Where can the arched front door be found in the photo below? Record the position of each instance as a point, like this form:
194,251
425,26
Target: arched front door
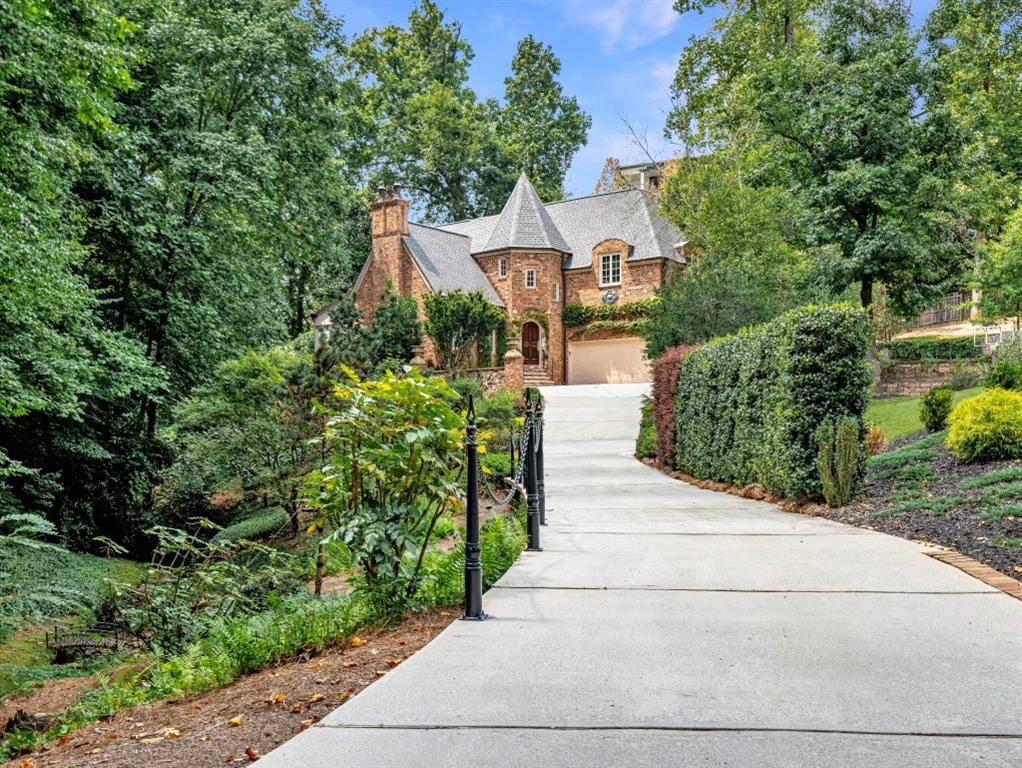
530,343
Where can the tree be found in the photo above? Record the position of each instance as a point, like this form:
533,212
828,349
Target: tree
1001,273
63,375
835,94
394,330
457,323
610,176
542,128
975,47
416,121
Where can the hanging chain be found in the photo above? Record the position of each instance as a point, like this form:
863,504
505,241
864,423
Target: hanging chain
519,474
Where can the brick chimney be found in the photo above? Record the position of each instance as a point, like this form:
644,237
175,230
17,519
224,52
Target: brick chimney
387,264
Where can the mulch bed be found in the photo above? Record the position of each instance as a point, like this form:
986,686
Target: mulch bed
960,528
271,706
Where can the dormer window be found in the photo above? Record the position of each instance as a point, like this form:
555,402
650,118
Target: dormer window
610,269
530,278
502,267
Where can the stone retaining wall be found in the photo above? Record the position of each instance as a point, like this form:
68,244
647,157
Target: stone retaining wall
913,378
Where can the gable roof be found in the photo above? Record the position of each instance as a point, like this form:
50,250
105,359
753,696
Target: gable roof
445,261
524,223
585,222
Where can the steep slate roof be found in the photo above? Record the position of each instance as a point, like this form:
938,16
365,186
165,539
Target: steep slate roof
445,259
524,223
584,222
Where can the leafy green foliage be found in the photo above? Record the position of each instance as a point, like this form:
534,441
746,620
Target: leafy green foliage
193,584
574,315
645,443
541,128
41,584
748,405
396,450
393,332
711,299
934,348
987,427
934,408
254,528
458,322
1006,368
840,458
466,388
899,416
825,96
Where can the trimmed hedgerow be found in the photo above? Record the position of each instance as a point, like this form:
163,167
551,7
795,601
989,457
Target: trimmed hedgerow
665,381
645,443
256,527
748,405
934,348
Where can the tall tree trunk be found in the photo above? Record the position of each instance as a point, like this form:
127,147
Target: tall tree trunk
866,293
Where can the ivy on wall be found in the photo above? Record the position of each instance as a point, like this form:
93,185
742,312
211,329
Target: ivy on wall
576,315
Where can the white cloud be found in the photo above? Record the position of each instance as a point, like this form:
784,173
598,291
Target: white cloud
625,24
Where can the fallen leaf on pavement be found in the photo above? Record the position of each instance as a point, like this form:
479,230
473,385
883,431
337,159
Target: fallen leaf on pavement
172,733
317,697
280,698
251,753
235,721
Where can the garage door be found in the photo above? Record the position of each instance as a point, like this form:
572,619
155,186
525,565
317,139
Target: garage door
609,361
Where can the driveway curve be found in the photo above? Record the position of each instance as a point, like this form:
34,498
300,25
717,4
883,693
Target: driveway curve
664,625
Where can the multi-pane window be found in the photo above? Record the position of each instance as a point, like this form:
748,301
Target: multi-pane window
502,267
530,278
557,292
610,269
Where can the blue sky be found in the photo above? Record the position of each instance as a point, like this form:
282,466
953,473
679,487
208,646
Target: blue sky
618,58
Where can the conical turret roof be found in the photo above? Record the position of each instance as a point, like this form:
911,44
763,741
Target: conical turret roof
525,223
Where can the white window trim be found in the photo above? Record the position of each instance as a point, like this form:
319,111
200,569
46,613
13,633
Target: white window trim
557,292
530,273
502,267
603,257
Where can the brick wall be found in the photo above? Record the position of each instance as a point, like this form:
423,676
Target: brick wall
523,304
913,378
639,280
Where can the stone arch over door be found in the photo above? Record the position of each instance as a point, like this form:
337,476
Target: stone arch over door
531,343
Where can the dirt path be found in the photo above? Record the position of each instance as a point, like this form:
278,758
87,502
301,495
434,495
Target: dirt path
272,706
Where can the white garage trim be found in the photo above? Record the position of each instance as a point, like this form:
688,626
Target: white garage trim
607,361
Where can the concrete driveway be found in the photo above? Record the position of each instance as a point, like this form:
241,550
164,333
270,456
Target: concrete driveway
664,625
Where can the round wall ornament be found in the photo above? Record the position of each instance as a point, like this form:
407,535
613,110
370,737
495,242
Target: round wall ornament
609,297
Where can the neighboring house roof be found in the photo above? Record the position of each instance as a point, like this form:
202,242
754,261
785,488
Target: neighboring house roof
524,223
446,262
585,222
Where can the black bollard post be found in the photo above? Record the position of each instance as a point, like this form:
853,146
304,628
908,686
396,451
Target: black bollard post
540,484
531,489
473,565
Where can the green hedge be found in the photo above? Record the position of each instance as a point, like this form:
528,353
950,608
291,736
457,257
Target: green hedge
934,348
748,405
255,527
575,315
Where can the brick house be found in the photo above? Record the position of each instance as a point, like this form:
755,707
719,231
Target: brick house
531,259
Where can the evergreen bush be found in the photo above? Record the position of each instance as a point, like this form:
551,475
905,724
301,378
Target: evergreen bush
839,459
987,427
645,443
934,408
748,405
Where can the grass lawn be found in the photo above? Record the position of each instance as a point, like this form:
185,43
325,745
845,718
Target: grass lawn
899,416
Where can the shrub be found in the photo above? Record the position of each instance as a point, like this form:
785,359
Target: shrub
875,440
665,381
748,405
964,374
496,464
459,322
467,387
396,458
934,348
839,458
987,427
255,527
645,444
934,408
1005,374
394,330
